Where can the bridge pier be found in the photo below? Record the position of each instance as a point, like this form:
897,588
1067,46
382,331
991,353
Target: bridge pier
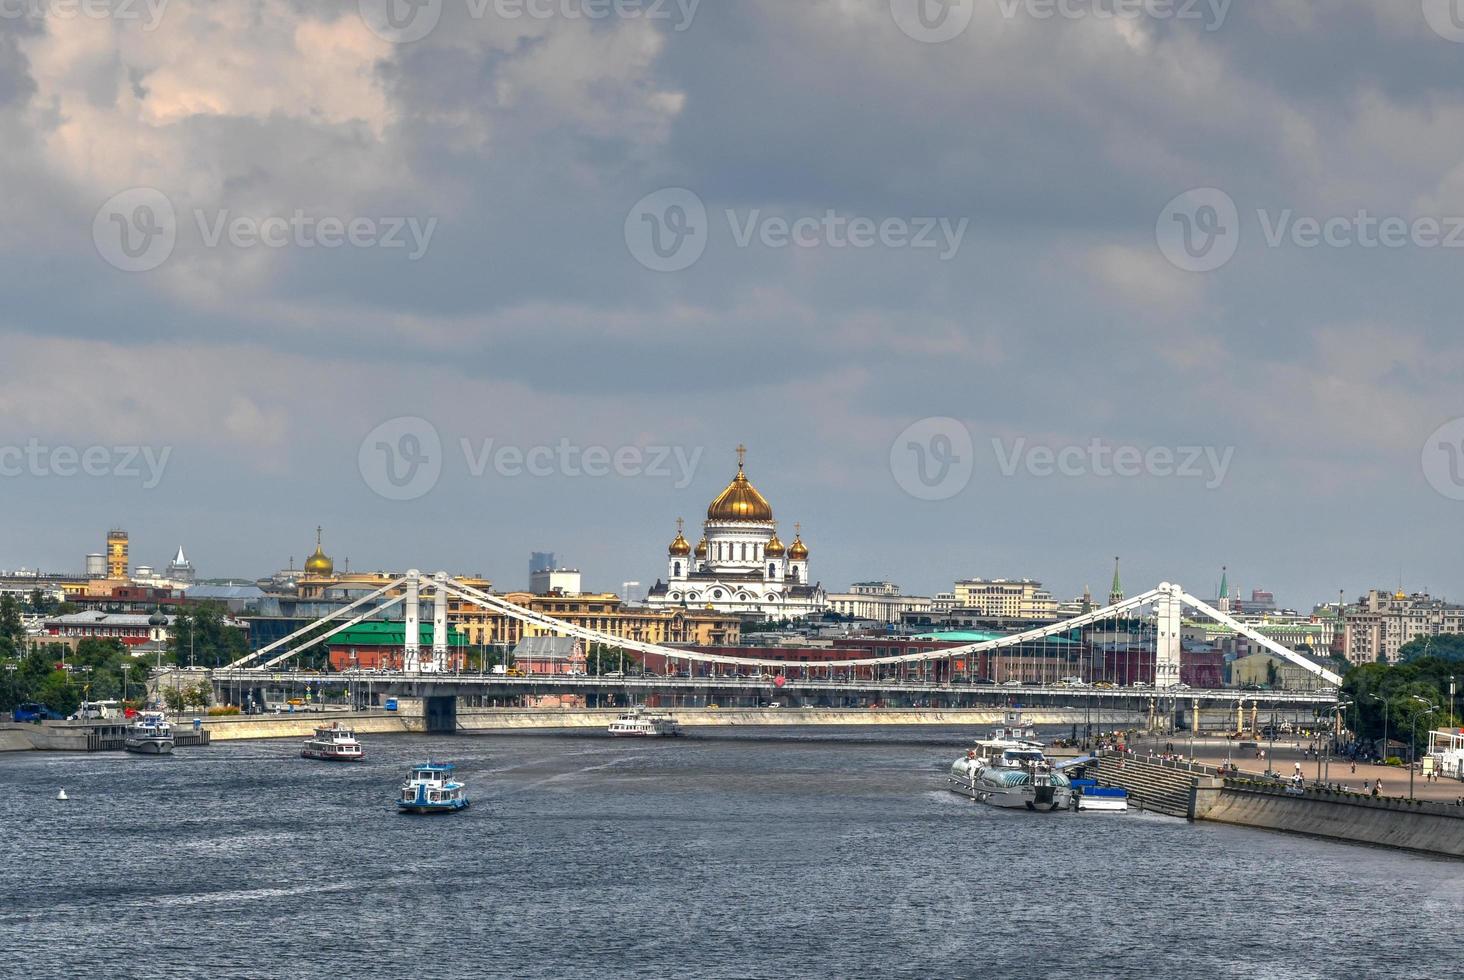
439,715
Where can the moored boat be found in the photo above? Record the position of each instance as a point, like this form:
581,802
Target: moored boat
1012,774
150,734
430,788
645,724
333,743
1090,796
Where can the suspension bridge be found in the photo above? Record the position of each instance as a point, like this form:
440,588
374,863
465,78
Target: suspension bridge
964,675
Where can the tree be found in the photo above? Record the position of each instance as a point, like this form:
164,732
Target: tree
1446,646
603,660
199,696
58,693
174,700
12,629
200,636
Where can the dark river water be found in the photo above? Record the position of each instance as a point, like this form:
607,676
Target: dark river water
778,853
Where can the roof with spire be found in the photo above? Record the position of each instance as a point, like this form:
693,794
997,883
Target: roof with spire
1115,594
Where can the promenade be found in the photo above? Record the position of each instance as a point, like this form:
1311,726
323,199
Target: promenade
1212,751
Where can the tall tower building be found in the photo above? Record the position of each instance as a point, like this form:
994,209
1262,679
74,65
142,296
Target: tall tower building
1115,593
117,565
541,561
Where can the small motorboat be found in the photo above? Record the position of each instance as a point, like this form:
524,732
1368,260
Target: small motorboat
430,788
1091,796
62,795
333,743
150,734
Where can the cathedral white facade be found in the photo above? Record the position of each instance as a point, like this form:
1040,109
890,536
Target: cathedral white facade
740,565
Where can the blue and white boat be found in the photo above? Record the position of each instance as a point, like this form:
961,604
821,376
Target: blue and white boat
430,788
1091,796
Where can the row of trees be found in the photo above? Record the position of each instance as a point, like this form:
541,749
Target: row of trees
103,668
1404,693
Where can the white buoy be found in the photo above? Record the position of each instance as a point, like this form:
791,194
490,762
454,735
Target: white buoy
62,795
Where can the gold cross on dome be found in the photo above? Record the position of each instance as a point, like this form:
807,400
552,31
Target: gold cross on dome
680,523
741,455
798,530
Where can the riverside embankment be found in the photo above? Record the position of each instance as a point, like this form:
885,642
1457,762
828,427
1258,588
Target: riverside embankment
1203,793
302,724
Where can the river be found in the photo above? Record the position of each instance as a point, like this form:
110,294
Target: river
767,853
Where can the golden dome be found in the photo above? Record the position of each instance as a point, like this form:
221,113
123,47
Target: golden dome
702,548
798,551
319,565
774,548
740,501
679,548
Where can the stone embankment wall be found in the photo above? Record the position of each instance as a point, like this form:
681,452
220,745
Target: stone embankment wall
1200,793
1436,828
303,724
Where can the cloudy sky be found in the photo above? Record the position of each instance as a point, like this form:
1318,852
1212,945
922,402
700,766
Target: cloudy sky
987,287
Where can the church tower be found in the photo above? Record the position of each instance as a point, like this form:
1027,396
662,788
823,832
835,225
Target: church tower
678,555
1115,593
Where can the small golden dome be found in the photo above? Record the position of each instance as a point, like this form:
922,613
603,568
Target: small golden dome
318,564
679,548
774,548
702,548
740,501
798,551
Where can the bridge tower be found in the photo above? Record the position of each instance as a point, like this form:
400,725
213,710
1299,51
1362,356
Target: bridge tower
439,623
412,638
1169,609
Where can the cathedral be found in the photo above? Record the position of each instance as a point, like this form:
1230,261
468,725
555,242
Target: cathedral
740,565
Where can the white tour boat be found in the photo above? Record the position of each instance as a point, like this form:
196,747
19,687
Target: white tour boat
150,734
645,724
333,743
1008,773
430,788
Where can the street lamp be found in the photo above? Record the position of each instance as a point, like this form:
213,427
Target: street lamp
1337,708
1413,742
126,669
1385,725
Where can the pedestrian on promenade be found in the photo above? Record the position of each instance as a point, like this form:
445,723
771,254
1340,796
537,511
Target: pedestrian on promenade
1354,767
